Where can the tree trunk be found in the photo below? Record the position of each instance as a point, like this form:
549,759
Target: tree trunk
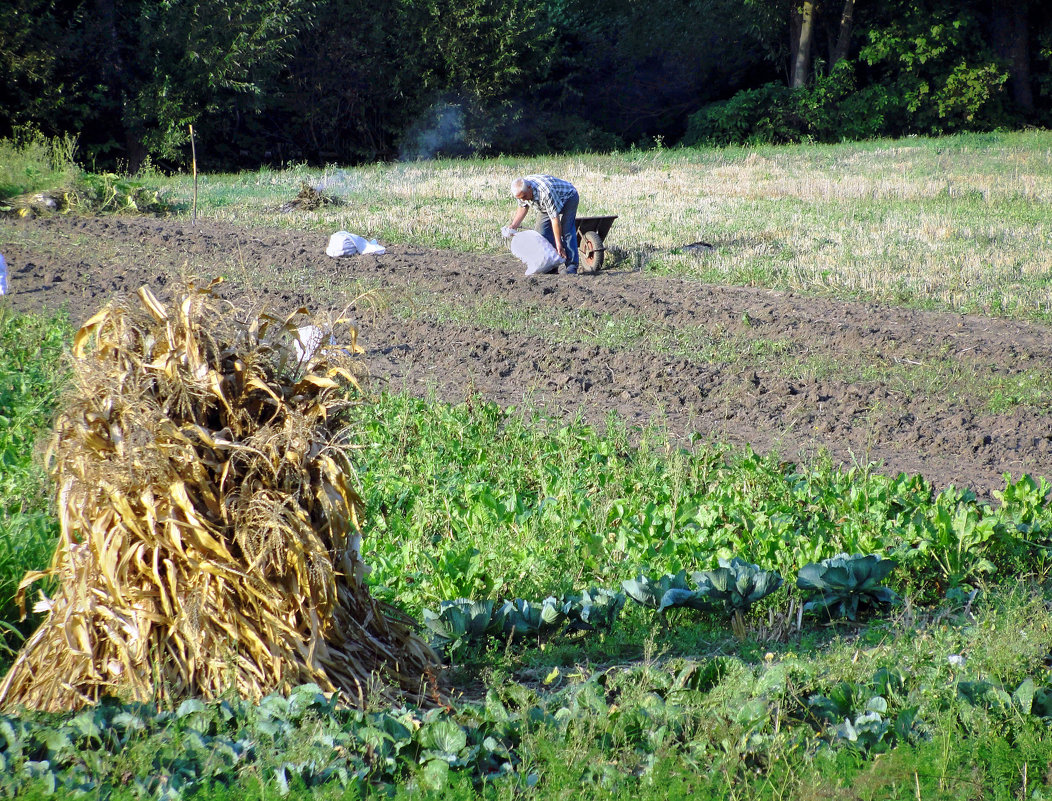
843,42
803,49
794,40
113,76
1010,30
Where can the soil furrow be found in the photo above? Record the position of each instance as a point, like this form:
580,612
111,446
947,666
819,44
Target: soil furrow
912,427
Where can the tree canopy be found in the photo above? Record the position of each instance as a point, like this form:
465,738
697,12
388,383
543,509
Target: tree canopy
278,81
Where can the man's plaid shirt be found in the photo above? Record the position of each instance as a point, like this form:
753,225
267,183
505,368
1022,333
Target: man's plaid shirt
550,194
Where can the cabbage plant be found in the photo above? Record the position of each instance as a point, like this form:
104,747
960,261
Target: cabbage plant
530,618
650,592
594,608
737,584
842,585
459,622
667,592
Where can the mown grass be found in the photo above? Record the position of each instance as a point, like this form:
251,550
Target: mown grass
960,223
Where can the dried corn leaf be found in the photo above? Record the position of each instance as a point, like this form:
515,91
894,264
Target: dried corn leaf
209,532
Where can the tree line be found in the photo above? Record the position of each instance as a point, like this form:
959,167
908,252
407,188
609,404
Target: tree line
345,81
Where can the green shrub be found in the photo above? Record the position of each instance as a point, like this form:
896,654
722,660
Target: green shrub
30,162
829,109
941,71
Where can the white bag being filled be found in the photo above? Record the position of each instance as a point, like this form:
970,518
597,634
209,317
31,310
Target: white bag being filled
536,252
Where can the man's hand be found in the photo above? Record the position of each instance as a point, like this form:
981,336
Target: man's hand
508,232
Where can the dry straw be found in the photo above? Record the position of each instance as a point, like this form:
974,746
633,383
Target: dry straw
209,533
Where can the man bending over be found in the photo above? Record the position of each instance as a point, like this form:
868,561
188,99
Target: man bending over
557,201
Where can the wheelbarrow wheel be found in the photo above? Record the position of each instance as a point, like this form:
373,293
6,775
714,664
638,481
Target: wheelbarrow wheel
591,251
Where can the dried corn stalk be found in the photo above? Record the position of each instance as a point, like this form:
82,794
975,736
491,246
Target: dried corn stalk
209,535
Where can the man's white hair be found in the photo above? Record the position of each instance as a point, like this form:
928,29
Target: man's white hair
518,185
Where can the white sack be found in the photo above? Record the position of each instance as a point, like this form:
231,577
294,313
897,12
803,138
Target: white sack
309,340
536,252
343,243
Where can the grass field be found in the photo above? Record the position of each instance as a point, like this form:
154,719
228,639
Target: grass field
961,223
942,694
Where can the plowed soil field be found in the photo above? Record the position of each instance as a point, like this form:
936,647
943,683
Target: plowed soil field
898,412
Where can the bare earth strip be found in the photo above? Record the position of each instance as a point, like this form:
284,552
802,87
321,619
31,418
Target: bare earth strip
803,376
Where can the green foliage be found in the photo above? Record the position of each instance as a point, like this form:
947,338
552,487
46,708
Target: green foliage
132,82
337,82
592,609
486,49
829,109
302,739
734,586
193,69
461,622
31,375
579,504
459,572
652,592
737,584
832,108
347,86
521,619
108,192
1024,506
954,540
939,68
31,162
926,68
840,585
856,715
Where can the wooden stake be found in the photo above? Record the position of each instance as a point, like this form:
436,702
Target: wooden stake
193,162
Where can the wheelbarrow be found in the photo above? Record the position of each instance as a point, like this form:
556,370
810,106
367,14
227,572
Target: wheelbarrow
591,231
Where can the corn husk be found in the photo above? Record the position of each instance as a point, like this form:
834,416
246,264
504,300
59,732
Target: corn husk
210,533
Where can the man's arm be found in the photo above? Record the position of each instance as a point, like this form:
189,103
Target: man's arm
518,216
557,230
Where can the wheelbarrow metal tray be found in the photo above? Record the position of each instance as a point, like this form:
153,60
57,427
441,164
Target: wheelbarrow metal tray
601,225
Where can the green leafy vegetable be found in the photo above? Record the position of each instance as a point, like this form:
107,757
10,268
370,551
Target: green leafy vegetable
843,584
592,609
737,584
651,592
529,618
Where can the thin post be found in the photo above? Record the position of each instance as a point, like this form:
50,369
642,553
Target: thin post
193,162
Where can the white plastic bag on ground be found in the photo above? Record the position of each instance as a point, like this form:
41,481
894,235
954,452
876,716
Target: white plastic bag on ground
536,252
344,243
308,340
